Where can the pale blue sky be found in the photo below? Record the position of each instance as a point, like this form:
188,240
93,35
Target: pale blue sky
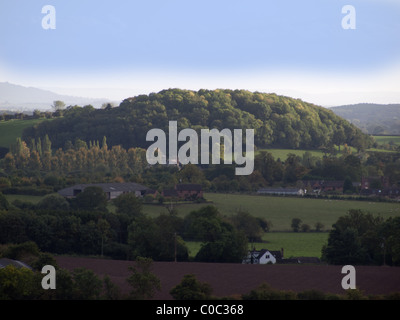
117,49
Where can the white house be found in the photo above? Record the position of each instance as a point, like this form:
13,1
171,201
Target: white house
263,256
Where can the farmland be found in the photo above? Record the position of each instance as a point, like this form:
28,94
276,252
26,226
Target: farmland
232,280
388,139
294,244
10,130
281,210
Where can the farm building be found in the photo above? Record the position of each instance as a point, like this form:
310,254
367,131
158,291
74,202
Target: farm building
112,190
319,186
4,262
282,191
263,256
374,183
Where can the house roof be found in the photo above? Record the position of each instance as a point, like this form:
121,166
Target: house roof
259,253
107,187
277,254
4,262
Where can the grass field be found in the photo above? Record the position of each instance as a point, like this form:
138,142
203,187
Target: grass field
387,139
299,244
283,153
25,198
11,130
281,210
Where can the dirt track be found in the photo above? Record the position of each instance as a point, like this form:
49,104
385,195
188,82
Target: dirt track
236,279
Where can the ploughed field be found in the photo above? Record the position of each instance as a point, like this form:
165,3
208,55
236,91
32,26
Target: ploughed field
233,280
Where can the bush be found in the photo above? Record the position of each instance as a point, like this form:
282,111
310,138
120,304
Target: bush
24,205
191,289
311,295
265,292
4,205
115,250
53,202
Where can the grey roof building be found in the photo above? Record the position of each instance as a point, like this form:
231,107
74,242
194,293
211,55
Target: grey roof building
4,262
282,191
112,190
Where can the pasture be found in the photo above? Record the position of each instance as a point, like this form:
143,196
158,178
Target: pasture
24,198
294,244
281,210
387,139
11,130
278,210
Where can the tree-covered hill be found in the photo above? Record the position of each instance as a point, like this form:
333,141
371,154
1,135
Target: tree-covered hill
278,121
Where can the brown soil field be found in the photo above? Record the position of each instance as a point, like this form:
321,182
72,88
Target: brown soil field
230,280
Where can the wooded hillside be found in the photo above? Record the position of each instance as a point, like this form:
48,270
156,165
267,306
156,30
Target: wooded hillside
278,121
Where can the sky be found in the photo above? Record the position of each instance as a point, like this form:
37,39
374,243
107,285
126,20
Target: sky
118,49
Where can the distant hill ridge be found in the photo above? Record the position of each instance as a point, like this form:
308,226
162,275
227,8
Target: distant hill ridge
16,97
377,119
277,120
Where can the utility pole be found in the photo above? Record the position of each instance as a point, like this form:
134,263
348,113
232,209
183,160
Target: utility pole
175,245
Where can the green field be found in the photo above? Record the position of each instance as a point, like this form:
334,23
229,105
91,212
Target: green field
24,198
387,139
283,153
11,130
281,210
294,244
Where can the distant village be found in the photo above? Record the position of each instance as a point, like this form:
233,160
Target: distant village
369,186
192,192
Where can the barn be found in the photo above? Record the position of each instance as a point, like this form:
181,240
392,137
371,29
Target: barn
112,190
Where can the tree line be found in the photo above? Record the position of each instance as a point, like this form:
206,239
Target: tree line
85,226
38,156
38,165
359,238
78,284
